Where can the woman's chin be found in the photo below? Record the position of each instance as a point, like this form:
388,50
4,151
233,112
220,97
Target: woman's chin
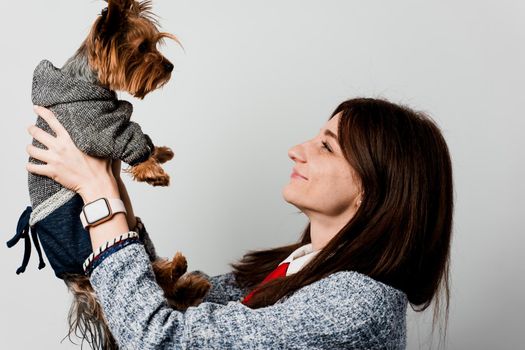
290,195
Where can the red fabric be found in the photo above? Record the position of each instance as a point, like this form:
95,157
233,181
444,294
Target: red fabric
280,271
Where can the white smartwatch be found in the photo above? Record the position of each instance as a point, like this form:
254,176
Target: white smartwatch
100,210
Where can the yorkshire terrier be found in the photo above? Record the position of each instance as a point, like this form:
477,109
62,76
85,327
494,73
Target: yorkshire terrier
119,54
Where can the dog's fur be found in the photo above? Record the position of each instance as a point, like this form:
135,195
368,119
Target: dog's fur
120,53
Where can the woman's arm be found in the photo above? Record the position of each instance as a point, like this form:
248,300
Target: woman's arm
130,216
94,178
223,289
345,310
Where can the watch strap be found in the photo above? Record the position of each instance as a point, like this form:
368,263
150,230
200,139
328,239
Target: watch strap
116,205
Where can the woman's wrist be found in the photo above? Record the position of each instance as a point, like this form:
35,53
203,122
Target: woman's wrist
132,221
108,230
98,188
107,187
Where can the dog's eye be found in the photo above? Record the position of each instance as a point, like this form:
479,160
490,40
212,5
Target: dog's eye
143,47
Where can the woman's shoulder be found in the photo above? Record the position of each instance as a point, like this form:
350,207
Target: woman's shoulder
355,306
346,287
360,282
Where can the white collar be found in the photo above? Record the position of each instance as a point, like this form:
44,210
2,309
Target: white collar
299,258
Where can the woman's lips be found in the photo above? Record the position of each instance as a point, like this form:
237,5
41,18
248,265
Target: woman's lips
295,174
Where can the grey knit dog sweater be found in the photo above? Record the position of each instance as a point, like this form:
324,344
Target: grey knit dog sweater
98,123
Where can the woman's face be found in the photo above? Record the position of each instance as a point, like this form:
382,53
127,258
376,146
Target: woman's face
329,188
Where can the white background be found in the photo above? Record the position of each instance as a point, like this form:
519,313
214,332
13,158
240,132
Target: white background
258,77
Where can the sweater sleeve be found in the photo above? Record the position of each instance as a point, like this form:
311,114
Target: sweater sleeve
109,133
223,289
334,312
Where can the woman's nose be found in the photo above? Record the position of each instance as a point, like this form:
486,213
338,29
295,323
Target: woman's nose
296,153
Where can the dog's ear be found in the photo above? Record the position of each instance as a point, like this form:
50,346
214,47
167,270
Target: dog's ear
114,16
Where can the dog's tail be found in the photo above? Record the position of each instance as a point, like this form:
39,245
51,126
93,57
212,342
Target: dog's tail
86,318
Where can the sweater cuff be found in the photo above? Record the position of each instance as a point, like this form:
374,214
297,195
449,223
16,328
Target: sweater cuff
138,233
107,248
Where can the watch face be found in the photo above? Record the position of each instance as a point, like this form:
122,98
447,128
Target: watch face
96,210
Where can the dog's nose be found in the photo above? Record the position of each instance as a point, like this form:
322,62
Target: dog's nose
168,66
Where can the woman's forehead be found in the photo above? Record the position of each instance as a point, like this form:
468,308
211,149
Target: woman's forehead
332,124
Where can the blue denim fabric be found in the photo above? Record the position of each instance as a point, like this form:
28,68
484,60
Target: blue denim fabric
65,241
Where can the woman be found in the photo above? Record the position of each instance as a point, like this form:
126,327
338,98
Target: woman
376,185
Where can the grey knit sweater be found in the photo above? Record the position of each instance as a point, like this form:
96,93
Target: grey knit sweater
346,310
98,123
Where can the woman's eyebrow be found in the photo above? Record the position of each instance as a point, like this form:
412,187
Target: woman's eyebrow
330,133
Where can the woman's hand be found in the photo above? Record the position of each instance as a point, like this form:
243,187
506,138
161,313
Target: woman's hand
89,176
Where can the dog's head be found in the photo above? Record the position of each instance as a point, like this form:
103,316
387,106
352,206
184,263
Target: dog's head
122,48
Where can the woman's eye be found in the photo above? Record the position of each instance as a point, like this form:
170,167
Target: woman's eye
325,145
143,47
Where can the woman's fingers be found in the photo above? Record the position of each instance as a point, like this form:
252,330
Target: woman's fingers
39,169
51,120
38,153
41,136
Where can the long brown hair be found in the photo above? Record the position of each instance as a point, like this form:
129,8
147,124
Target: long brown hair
401,233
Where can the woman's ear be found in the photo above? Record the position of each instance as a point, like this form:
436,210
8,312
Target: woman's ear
359,199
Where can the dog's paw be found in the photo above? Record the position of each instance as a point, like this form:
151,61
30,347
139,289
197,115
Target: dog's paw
189,290
161,180
181,289
179,266
162,154
163,273
149,171
169,271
